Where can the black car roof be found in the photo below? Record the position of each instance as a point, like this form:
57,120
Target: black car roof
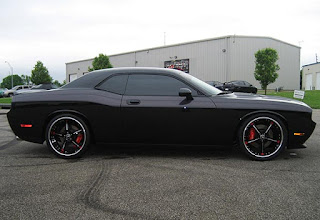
91,79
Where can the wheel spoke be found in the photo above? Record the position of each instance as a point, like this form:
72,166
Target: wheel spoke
269,139
67,125
75,143
249,142
256,129
63,146
268,128
77,132
262,145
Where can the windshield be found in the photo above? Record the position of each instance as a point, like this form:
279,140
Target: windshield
210,90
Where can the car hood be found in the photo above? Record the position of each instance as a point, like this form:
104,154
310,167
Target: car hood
256,101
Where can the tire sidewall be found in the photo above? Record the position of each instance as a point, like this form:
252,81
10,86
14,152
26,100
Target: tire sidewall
84,148
245,123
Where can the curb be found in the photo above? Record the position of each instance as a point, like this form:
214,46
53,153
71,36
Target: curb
5,105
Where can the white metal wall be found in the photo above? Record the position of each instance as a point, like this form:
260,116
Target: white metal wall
310,77
79,68
242,61
222,59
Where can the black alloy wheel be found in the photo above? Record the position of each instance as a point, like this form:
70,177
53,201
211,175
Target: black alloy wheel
263,136
67,136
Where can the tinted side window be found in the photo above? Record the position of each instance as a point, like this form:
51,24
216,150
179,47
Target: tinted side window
115,84
155,85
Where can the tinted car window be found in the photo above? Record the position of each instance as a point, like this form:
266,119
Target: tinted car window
115,84
155,85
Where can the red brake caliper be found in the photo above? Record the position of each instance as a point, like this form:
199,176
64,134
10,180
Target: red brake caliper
252,133
79,138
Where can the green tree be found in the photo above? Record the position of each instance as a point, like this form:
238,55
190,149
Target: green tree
266,67
57,83
26,79
40,74
100,62
6,82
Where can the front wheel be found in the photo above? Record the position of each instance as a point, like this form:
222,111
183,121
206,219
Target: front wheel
263,136
67,136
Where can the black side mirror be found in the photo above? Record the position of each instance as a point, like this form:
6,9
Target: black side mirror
185,92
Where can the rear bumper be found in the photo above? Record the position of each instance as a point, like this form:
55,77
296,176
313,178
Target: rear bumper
31,134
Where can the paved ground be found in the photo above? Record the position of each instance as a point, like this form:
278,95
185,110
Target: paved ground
120,182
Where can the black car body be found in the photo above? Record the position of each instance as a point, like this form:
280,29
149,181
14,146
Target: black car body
237,86
155,105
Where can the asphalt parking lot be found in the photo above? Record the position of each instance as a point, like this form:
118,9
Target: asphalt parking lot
143,182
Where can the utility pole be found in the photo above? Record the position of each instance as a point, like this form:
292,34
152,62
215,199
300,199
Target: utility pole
11,73
164,38
316,58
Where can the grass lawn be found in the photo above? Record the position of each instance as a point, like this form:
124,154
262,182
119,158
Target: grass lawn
5,100
311,98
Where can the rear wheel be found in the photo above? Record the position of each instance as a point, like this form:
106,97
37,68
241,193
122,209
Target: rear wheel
263,136
67,136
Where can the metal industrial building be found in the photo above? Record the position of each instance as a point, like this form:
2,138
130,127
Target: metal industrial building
221,59
311,76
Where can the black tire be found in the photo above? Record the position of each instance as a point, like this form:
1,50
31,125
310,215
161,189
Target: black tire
262,136
67,136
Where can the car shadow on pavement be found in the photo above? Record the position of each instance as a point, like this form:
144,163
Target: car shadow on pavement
117,151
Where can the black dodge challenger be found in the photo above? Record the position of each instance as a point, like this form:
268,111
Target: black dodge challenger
155,105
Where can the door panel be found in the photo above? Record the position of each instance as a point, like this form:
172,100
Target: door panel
308,82
167,119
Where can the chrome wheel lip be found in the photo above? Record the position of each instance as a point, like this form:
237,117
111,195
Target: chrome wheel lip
84,135
263,118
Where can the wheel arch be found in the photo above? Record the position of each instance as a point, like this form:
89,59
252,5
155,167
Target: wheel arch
72,112
243,118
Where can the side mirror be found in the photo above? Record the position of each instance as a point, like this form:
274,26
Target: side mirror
185,92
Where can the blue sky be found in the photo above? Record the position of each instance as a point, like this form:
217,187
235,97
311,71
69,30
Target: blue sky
57,32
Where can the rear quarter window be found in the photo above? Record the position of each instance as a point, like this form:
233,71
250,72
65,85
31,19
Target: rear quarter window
115,84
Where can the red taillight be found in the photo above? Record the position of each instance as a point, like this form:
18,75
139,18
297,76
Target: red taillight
26,126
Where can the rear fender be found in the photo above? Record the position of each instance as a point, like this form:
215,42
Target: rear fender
67,111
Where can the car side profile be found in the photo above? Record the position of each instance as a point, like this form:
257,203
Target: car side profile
37,88
157,105
10,92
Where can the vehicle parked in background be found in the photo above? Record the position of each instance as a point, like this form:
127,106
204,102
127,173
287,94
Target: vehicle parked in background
2,90
237,86
10,92
214,83
37,88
